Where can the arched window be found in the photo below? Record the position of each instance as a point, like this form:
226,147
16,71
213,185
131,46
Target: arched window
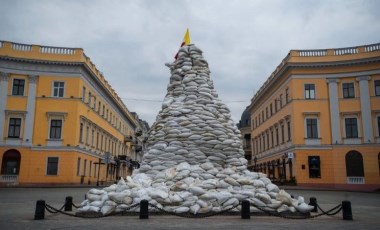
11,162
354,164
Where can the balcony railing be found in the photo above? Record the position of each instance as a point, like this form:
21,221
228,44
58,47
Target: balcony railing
56,50
9,179
21,47
355,180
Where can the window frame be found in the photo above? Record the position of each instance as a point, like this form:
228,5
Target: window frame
348,90
308,90
376,85
314,128
47,166
19,87
56,127
351,127
60,89
14,127
314,173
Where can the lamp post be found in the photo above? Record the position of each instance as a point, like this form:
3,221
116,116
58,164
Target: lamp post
98,163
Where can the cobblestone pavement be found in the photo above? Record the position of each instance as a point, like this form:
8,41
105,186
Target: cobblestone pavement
17,207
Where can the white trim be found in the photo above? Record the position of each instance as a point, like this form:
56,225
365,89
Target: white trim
351,140
315,91
64,89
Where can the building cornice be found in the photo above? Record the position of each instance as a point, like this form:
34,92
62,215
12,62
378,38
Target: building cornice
351,56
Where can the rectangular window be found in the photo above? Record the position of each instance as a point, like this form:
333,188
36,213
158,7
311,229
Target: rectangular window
94,169
348,90
282,133
92,137
97,140
84,167
84,94
277,136
280,101
55,129
377,87
271,109
103,110
78,167
52,166
267,140
89,99
58,88
81,133
18,87
271,137
275,105
266,112
94,103
312,128
309,91
14,128
351,125
287,96
99,107
87,134
289,132
314,167
89,173
378,126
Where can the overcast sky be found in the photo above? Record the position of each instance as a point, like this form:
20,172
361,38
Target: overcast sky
243,41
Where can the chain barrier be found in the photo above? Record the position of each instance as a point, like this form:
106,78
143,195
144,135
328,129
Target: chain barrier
329,213
189,215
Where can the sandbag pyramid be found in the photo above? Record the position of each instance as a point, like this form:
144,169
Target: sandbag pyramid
194,161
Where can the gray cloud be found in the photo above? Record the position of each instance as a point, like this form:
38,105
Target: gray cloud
244,41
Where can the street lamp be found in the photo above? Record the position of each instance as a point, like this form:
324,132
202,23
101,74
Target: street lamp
98,163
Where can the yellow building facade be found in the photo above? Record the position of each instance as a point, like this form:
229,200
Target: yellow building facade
60,120
316,120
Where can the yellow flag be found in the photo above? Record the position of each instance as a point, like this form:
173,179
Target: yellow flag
186,41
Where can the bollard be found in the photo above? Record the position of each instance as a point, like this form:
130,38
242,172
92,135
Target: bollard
144,213
40,210
313,202
346,210
245,210
68,204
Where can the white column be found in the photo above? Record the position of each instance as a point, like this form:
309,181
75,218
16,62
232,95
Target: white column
336,137
30,109
365,104
3,102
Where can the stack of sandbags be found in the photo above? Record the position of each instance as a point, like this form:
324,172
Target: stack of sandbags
194,160
193,126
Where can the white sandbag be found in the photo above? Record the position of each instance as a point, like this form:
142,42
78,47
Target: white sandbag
182,210
183,166
105,210
97,203
272,188
286,198
96,191
195,208
92,197
197,191
304,208
263,197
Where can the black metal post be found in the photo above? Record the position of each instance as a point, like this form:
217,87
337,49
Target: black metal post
313,202
39,214
245,209
346,210
68,204
97,182
144,212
